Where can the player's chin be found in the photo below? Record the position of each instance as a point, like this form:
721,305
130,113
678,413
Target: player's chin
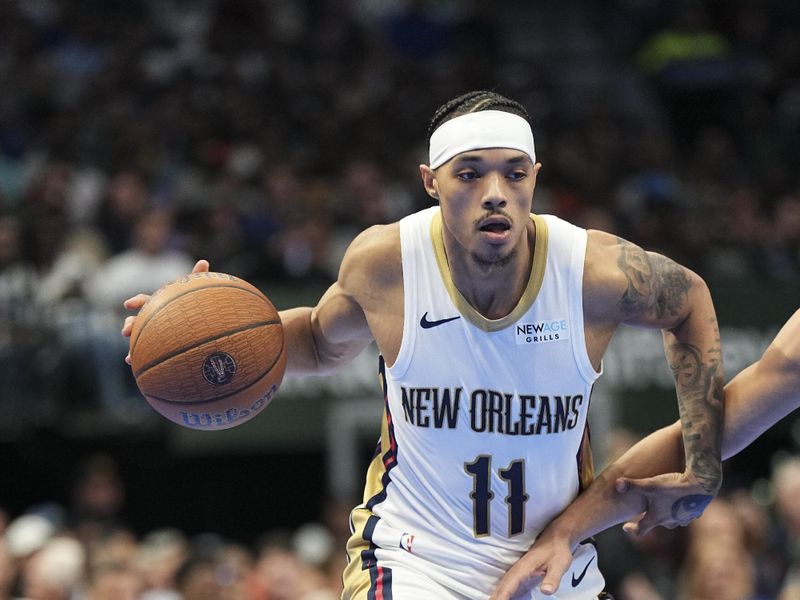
493,256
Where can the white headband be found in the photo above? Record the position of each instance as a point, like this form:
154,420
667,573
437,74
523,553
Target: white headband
479,130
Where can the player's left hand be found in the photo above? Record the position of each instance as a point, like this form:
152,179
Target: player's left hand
673,500
139,300
544,564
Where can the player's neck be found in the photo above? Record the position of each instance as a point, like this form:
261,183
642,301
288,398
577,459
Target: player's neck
495,289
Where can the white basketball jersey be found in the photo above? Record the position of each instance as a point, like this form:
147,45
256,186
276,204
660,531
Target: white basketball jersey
484,438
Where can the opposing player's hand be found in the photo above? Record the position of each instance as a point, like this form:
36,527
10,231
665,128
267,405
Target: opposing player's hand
135,303
543,565
673,500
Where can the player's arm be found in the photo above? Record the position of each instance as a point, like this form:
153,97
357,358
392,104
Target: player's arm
630,286
326,337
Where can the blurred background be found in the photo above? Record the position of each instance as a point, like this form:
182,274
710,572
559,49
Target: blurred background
139,135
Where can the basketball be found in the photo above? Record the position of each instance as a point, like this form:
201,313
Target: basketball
207,351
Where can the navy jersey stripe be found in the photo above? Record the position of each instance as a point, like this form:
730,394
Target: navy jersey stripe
369,528
390,456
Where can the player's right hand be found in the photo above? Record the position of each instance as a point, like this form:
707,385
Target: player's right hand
135,303
543,565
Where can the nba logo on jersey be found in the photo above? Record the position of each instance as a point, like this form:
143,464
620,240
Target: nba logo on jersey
551,330
405,541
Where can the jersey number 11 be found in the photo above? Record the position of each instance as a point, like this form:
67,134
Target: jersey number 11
482,494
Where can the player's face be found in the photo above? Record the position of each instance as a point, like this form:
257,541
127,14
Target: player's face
486,198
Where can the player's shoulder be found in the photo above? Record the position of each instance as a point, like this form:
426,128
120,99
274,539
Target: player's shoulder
373,258
602,254
376,246
599,243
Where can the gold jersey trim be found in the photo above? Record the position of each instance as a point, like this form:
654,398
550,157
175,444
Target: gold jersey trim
539,262
585,460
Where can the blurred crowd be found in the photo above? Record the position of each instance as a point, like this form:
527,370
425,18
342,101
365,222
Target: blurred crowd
136,136
83,549
746,546
139,135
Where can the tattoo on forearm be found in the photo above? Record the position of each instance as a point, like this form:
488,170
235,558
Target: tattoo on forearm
686,364
699,385
656,285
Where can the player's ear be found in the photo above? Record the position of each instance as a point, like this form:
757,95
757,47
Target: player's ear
429,181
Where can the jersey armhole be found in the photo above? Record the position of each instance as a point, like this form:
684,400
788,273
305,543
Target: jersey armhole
408,229
577,261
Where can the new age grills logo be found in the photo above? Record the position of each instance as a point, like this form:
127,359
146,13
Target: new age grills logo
543,331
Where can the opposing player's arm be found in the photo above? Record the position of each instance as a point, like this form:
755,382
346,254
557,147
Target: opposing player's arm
631,286
764,392
326,337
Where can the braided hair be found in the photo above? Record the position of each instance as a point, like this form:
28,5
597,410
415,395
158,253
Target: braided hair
474,102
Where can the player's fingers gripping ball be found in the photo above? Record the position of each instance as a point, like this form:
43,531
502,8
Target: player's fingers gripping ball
208,351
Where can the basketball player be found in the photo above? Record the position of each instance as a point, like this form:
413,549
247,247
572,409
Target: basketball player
491,324
757,398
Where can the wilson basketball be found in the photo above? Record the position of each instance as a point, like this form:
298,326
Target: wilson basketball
207,351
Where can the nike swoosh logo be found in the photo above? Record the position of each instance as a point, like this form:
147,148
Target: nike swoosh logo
425,324
576,581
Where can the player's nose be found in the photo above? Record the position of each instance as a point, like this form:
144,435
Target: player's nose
494,195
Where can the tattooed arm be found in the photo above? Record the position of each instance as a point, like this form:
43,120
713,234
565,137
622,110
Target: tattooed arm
650,290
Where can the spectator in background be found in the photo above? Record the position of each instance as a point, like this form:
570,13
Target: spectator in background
112,581
691,66
791,591
98,497
300,246
44,213
234,569
717,564
278,572
786,486
17,279
149,264
117,546
759,540
161,553
8,571
56,572
783,244
197,579
127,197
743,234
224,237
713,571
20,337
